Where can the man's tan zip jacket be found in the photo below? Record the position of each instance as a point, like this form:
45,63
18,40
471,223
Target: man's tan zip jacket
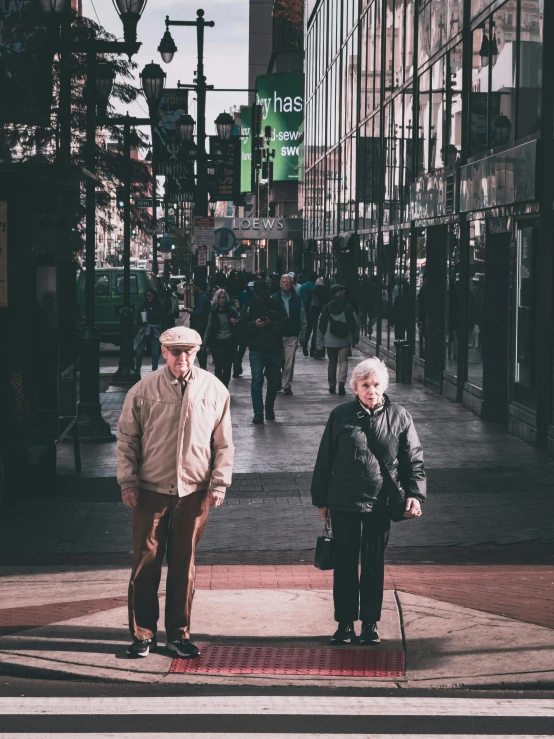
176,444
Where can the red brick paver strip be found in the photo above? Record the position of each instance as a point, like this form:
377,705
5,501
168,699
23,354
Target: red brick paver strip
522,592
337,662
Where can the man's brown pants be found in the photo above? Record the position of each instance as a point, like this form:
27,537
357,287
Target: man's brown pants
164,522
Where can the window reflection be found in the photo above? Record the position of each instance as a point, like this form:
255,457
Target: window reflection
476,302
530,67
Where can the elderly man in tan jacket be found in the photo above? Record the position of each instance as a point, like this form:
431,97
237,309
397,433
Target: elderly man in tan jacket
174,461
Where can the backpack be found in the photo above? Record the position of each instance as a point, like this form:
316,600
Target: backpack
338,328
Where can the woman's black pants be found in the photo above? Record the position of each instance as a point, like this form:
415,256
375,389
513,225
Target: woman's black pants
223,352
365,536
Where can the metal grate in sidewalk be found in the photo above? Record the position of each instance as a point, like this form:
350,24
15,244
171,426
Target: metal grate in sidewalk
234,660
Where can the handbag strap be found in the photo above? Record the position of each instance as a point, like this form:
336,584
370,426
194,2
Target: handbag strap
385,472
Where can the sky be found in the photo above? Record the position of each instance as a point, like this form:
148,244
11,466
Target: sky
225,48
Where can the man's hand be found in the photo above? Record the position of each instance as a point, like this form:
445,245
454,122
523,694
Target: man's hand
234,321
130,497
413,508
325,514
261,324
215,498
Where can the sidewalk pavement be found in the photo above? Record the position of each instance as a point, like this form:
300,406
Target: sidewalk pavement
469,586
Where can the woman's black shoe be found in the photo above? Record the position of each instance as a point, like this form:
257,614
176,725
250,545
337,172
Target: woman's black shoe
369,634
342,390
345,634
332,389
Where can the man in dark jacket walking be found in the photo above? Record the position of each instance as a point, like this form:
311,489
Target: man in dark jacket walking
264,320
199,316
294,327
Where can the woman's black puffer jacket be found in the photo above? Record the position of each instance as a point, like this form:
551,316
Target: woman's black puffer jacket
347,475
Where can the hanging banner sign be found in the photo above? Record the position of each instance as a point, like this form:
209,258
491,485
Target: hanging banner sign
282,99
227,183
168,150
246,149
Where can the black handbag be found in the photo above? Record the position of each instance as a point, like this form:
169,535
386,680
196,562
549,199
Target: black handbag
325,550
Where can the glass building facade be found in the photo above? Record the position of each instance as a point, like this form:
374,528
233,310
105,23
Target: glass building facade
426,190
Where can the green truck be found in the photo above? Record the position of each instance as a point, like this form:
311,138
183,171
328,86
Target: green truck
108,289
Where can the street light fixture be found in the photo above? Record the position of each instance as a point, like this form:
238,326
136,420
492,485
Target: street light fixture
185,127
153,80
130,12
105,77
167,47
224,124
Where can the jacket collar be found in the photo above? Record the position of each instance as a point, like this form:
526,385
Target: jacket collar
189,377
362,410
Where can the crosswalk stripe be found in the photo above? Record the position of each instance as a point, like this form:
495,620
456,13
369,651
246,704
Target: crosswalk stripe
196,735
279,706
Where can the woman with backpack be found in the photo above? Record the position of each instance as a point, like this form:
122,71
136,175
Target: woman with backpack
221,335
338,330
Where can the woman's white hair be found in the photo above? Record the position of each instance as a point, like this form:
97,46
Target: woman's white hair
217,293
371,366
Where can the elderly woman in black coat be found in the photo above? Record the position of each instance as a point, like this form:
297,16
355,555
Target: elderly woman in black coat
369,450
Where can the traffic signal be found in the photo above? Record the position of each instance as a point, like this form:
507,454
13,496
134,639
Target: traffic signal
120,197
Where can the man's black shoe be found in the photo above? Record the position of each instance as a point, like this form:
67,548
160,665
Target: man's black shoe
258,418
235,375
184,648
332,389
270,414
142,647
369,634
342,390
305,350
345,634
287,391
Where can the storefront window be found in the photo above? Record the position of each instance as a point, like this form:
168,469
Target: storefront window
438,111
479,92
424,34
530,67
525,317
424,123
452,303
454,141
421,260
502,62
476,302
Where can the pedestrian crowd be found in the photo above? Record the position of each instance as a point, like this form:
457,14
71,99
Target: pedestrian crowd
175,449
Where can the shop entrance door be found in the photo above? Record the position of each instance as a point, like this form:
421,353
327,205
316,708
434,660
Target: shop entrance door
496,329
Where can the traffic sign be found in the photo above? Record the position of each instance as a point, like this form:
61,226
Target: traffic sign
145,202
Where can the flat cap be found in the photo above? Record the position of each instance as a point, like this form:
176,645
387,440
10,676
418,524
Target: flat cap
180,336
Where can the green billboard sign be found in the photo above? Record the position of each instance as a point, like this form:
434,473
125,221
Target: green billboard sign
246,150
282,99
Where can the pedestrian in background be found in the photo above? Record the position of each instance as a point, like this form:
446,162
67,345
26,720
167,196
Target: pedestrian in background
368,445
151,316
199,316
319,298
263,320
221,335
338,330
174,461
294,329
